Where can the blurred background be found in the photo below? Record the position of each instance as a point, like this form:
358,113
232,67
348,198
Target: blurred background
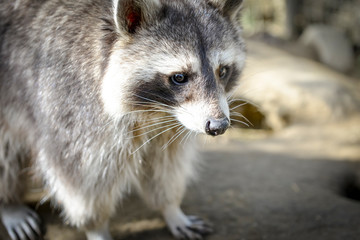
332,21
303,64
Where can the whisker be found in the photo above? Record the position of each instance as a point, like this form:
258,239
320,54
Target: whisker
168,129
231,100
237,106
158,103
235,120
147,110
247,101
188,137
174,137
151,125
150,120
155,129
176,103
154,101
185,136
230,97
103,127
242,116
151,104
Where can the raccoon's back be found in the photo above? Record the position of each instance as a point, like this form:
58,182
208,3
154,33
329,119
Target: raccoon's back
14,54
52,56
55,47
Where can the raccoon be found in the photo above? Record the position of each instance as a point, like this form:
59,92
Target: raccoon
102,96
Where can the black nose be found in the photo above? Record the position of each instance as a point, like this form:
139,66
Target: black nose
216,127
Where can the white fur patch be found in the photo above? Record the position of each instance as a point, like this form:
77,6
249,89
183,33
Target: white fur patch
171,63
194,115
119,77
113,91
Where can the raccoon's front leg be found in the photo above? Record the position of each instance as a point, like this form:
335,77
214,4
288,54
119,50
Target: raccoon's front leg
101,233
21,222
163,189
86,212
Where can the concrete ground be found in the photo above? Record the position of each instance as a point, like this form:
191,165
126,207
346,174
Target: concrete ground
255,187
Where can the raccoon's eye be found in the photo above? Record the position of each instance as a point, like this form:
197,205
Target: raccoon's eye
179,79
223,72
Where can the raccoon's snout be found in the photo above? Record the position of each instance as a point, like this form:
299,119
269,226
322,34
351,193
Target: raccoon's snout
215,127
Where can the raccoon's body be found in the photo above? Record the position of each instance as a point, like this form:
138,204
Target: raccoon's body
101,96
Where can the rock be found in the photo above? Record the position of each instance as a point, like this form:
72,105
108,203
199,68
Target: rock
289,89
332,46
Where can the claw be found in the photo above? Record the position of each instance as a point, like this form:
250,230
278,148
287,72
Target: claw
185,227
194,218
28,231
34,225
188,234
21,222
200,230
20,232
12,234
182,234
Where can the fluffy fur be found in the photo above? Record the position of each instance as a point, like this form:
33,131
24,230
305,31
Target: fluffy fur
86,94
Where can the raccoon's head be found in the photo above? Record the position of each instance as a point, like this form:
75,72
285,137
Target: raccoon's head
183,57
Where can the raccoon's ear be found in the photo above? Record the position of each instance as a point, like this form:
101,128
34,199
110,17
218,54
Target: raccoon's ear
229,8
129,15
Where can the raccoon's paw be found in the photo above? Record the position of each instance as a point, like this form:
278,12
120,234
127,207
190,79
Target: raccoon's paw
21,222
186,227
197,229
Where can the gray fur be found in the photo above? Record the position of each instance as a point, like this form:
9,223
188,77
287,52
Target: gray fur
57,59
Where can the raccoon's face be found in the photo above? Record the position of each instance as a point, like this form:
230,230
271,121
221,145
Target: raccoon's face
182,57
